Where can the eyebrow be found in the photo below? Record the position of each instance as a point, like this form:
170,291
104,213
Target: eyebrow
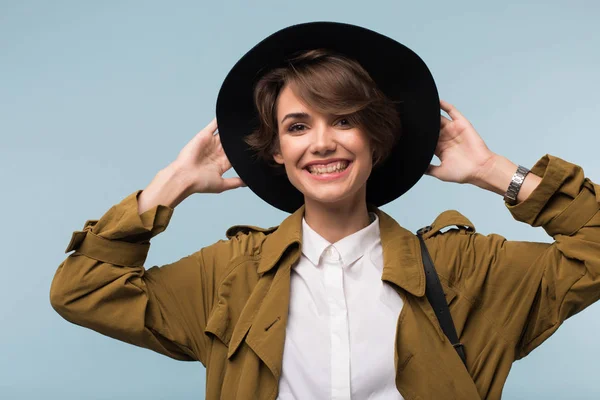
299,115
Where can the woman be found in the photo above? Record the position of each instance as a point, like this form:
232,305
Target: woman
331,303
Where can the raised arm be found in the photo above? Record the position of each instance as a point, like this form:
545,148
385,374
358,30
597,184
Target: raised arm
104,286
528,289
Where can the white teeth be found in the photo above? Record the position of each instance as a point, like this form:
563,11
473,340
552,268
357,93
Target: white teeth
328,169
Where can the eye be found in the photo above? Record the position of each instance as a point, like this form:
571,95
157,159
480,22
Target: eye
296,128
343,122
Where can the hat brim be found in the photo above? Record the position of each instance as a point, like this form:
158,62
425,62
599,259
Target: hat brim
399,72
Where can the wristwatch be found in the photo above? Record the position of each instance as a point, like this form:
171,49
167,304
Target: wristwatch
515,185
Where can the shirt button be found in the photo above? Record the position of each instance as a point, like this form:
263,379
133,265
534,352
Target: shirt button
331,253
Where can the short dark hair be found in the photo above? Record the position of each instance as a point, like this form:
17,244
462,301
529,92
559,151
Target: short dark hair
332,84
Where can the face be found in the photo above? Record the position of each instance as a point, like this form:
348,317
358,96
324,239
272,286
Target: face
325,157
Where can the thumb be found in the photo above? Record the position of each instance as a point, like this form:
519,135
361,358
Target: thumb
434,170
232,183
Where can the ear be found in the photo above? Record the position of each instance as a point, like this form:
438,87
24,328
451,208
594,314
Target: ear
278,157
276,152
374,157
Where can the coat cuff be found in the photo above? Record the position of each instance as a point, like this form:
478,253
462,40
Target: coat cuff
121,236
563,202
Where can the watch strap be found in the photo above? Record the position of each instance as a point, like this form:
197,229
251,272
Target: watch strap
515,185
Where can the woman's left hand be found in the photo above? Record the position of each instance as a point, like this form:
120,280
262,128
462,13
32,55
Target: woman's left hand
463,154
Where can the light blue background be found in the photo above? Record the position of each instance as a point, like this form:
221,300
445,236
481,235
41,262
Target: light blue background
96,97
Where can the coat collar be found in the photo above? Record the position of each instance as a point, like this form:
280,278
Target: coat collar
264,318
402,264
288,233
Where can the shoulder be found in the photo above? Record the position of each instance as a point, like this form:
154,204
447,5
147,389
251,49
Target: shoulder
243,231
449,221
248,238
240,241
451,242
454,232
239,252
459,252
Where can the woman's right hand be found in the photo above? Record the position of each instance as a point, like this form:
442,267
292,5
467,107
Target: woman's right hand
204,162
199,168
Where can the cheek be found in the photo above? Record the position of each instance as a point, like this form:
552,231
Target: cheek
291,150
360,147
363,152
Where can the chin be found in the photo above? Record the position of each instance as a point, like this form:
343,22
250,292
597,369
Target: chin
325,200
331,198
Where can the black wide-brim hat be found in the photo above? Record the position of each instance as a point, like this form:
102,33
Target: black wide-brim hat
399,72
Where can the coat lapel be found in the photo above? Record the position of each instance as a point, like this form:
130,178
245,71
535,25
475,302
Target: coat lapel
267,333
264,318
402,263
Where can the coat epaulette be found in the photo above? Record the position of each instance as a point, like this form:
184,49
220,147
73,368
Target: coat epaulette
246,229
447,219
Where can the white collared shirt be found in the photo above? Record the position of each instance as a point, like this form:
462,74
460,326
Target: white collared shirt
342,321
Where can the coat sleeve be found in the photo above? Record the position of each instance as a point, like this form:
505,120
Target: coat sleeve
526,288
104,286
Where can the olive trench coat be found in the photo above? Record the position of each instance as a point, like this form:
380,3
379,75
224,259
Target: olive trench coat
226,305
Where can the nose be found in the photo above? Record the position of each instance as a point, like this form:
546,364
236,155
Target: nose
324,140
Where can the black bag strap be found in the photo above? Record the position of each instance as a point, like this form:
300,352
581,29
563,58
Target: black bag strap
437,299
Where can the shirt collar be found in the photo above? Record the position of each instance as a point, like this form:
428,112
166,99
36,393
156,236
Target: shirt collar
402,264
350,248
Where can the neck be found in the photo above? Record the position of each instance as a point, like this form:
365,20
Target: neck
335,221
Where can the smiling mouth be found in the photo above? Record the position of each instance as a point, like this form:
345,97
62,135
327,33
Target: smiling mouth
332,168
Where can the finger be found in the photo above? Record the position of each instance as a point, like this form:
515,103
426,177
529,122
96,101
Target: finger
232,183
444,121
208,129
211,127
450,110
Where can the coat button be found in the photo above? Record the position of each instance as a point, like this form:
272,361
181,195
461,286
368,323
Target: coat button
424,230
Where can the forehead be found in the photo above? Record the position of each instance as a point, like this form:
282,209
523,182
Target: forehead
287,101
